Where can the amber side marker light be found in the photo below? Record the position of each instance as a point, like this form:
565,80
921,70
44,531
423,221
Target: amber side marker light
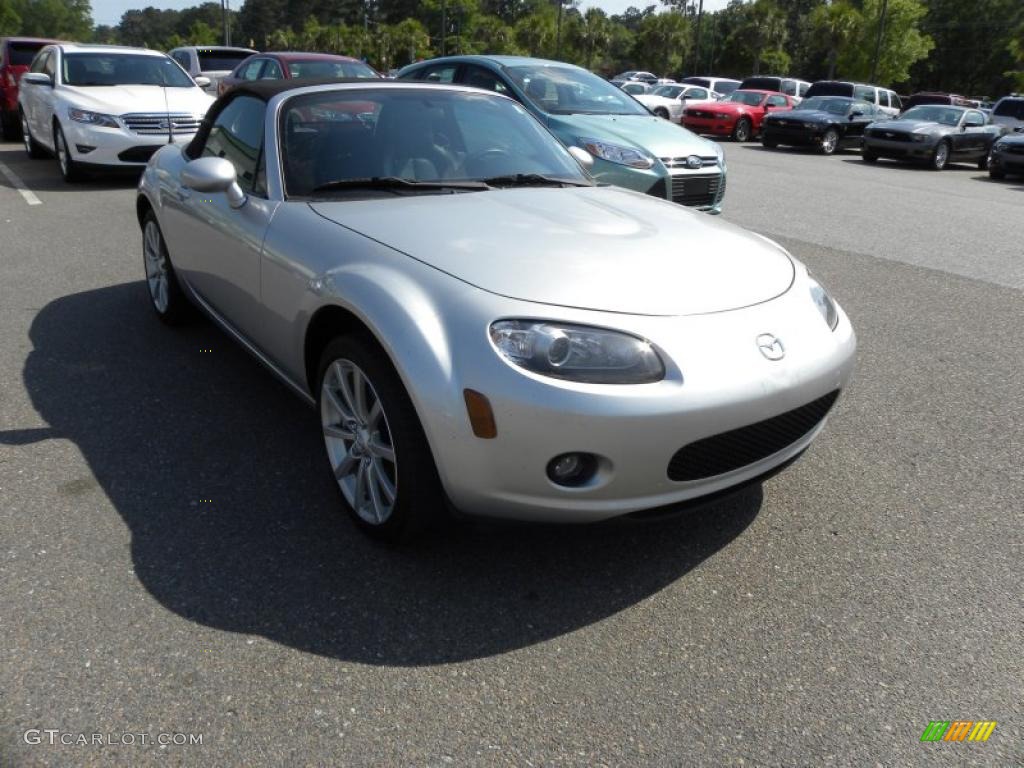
481,417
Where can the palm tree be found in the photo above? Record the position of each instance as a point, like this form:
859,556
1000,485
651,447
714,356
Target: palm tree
838,22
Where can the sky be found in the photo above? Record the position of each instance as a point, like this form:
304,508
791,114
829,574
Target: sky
109,11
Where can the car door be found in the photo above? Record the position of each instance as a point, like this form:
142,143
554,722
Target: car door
44,100
856,124
975,136
218,247
774,103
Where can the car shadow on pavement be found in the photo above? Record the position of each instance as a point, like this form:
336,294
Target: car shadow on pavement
921,167
217,470
1014,183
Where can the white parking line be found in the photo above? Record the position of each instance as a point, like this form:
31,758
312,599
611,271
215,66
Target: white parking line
18,184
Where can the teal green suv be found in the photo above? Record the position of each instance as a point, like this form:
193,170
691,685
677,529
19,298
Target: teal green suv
630,147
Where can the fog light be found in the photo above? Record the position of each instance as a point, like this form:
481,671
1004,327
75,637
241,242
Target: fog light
572,469
84,149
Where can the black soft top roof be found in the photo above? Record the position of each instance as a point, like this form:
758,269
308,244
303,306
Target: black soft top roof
265,90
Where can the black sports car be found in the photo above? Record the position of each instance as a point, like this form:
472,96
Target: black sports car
1007,156
825,122
933,134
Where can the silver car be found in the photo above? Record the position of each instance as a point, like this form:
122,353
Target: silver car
479,324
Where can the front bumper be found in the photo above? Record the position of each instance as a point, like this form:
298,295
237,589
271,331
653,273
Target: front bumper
792,136
1007,162
710,126
717,381
900,149
114,147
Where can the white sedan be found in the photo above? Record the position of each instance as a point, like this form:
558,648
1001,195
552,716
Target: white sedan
668,101
101,107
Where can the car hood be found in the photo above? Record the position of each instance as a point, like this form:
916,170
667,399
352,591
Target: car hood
645,132
911,126
733,108
807,115
600,248
121,99
651,100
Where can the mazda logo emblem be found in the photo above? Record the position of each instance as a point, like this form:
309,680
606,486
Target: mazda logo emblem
694,162
770,347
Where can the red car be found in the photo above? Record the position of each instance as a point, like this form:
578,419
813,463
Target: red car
278,66
739,116
16,53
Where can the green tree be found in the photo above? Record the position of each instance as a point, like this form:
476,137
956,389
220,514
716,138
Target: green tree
663,42
837,23
409,42
10,21
594,35
66,19
903,43
535,33
761,35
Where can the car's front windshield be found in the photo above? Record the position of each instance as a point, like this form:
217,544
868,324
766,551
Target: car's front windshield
933,114
316,68
750,98
561,90
668,91
353,142
115,68
825,104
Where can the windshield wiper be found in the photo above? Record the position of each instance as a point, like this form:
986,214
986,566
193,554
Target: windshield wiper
532,180
397,184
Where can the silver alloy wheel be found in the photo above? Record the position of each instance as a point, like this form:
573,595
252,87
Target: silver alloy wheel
156,266
742,130
829,142
62,150
358,441
941,155
26,137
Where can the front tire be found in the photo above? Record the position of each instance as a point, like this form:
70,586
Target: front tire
996,173
165,294
69,169
868,157
742,130
769,143
940,157
32,147
376,449
662,113
830,142
983,162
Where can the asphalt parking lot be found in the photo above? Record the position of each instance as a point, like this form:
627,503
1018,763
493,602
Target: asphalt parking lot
172,559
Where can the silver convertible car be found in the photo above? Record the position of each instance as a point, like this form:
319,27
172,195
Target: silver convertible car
481,326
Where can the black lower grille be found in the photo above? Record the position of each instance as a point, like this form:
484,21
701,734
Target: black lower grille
138,154
737,448
696,190
888,135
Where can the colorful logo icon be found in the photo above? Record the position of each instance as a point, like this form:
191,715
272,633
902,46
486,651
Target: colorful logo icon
958,730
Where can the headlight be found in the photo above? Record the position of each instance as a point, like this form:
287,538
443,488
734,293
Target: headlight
999,146
824,303
577,352
920,137
613,153
93,118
